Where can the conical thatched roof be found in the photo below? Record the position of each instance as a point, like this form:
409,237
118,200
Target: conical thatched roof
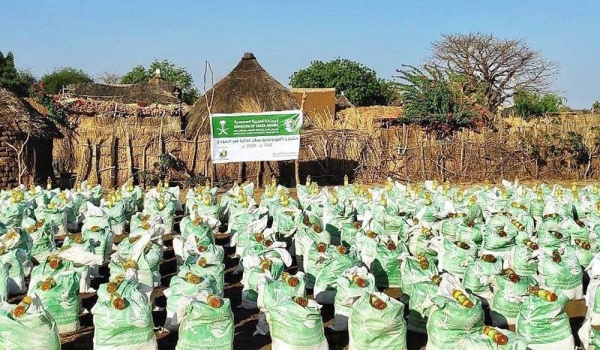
22,119
248,81
343,102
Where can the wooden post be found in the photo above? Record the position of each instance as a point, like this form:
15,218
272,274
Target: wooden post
130,167
114,150
259,174
80,175
160,138
297,161
213,174
95,162
240,176
297,171
195,153
423,158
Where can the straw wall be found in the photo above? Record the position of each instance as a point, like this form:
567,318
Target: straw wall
110,150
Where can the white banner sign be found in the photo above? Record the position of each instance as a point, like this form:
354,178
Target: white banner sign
253,137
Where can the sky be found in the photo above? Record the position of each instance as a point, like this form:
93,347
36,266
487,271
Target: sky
286,35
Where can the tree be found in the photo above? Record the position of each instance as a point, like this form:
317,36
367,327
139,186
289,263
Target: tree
434,100
54,82
18,81
497,68
358,82
108,78
169,72
596,107
529,105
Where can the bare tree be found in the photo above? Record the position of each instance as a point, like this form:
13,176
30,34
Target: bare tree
108,78
495,68
20,160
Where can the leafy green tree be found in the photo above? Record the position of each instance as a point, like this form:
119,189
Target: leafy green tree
169,72
434,100
17,80
596,107
358,82
529,105
54,82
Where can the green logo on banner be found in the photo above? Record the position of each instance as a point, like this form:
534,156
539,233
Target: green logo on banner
256,125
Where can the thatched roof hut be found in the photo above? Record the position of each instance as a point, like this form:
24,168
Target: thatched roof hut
156,91
20,123
248,81
342,102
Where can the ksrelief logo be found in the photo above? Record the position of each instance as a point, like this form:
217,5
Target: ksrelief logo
223,153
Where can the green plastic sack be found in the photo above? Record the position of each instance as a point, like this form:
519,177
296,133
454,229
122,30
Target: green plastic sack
255,271
313,262
449,321
335,216
243,226
42,237
584,256
478,274
309,234
129,328
414,274
560,276
207,327
35,329
12,215
386,267
497,239
16,275
455,259
101,238
349,290
295,327
50,267
4,274
196,228
348,234
467,233
134,194
56,216
213,269
184,285
212,214
420,298
338,259
116,213
480,341
507,300
545,323
546,236
119,264
449,227
284,220
372,328
61,300
271,292
521,260
212,253
165,211
17,238
419,242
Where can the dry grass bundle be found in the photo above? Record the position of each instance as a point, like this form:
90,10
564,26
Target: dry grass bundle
365,118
